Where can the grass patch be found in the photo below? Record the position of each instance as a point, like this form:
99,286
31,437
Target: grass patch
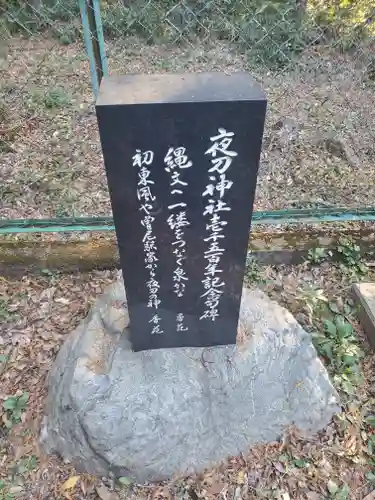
56,97
19,17
67,33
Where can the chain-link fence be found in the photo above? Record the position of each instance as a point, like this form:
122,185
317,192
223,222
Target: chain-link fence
314,58
51,163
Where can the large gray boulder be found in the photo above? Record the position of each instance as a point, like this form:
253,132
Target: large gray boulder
151,415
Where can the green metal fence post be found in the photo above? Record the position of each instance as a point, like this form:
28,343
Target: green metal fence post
89,37
100,36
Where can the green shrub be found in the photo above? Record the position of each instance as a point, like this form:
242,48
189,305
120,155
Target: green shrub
348,22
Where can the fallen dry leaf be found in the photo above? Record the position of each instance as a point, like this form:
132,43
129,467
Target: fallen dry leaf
312,495
263,470
284,496
70,483
216,488
15,490
241,477
62,300
105,494
370,496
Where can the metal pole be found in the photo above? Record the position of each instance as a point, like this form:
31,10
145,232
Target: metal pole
89,42
94,40
100,37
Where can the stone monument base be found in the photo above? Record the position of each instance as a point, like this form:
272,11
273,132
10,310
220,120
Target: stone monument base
154,414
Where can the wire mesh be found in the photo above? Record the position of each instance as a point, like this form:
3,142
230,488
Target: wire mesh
51,163
315,60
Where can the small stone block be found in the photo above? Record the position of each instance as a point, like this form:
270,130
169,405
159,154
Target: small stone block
364,294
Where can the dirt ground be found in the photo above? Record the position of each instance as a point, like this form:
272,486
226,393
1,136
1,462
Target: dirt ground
37,313
318,146
318,151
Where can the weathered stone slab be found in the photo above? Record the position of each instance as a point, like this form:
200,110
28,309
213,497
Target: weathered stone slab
365,297
151,415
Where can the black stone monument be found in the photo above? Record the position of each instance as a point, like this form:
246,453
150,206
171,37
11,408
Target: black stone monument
181,154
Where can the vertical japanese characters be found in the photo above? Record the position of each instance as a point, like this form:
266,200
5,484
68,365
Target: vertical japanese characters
214,211
216,207
143,160
175,162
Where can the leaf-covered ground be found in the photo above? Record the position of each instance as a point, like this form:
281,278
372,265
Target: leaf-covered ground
318,151
319,138
38,312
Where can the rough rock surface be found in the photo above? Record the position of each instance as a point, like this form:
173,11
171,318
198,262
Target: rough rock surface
151,415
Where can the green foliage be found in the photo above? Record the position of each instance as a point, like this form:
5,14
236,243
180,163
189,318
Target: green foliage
347,21
53,98
29,16
289,461
253,274
334,338
67,34
242,22
370,476
125,481
51,276
56,98
338,345
25,465
5,147
271,32
336,492
4,310
317,255
12,488
15,406
4,494
350,258
312,300
3,111
348,254
145,21
300,463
